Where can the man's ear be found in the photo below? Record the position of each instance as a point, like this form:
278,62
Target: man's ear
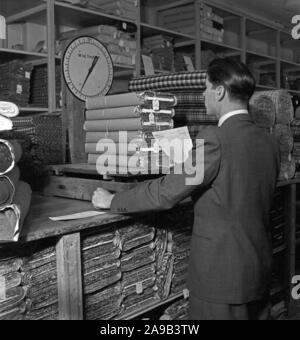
220,93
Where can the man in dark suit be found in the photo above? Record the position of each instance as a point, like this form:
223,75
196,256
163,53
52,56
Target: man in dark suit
231,253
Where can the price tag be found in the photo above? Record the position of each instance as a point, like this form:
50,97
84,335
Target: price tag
121,43
19,89
189,63
2,288
148,65
139,288
27,75
2,27
155,104
186,293
124,25
151,118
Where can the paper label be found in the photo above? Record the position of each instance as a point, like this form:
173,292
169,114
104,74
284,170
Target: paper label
2,27
151,118
2,288
148,65
189,63
19,89
155,104
27,75
139,288
186,294
124,25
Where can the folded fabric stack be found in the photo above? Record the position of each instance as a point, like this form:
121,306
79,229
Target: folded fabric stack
125,9
179,310
188,88
138,266
278,220
128,121
42,296
15,195
161,50
182,19
277,118
39,86
15,81
13,290
121,46
41,140
102,275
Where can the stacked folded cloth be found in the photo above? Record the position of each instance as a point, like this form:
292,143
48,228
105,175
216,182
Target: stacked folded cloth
39,86
174,252
123,125
15,81
178,310
161,50
125,9
15,195
182,19
188,87
296,152
278,220
41,140
42,295
121,46
13,291
273,110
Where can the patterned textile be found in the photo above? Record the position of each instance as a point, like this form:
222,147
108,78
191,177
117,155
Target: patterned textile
184,80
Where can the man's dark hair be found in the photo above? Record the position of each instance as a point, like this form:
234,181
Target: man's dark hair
234,76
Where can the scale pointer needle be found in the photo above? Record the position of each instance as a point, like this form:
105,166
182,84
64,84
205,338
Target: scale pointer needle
95,61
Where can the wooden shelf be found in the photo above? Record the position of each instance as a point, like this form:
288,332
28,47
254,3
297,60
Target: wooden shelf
150,30
261,55
150,308
12,54
36,15
73,16
221,45
33,109
264,87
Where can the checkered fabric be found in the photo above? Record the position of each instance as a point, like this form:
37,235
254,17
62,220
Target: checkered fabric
170,82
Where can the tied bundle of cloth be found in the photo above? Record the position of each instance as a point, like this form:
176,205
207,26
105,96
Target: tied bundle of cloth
125,9
273,110
122,126
15,82
15,195
188,87
120,44
161,50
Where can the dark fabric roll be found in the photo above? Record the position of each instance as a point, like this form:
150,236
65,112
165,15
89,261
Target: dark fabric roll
10,154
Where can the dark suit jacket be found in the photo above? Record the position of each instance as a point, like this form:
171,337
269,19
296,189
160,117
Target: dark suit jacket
231,244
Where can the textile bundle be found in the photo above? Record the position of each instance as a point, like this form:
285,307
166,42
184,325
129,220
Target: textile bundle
134,116
296,151
15,195
262,110
177,311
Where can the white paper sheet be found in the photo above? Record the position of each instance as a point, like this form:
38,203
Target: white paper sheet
178,140
78,216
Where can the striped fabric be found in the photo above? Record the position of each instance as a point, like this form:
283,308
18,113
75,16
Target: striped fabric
171,82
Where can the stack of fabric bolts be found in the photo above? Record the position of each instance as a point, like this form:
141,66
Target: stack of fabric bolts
120,45
161,50
128,121
15,82
15,196
188,88
125,9
273,110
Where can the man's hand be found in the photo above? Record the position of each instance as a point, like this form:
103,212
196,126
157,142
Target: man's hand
102,199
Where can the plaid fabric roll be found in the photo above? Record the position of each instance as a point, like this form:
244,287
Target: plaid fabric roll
184,80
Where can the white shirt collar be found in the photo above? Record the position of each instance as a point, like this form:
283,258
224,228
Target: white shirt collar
231,114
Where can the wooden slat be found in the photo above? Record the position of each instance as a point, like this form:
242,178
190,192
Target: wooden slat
51,56
69,273
80,188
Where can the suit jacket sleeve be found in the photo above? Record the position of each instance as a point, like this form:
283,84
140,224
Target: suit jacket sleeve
164,193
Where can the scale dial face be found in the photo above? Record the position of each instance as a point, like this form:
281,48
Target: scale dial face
87,68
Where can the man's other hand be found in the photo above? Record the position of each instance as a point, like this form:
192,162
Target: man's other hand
102,199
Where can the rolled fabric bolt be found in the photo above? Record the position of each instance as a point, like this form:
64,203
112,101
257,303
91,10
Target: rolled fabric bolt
10,154
262,110
131,124
8,109
7,186
119,149
112,113
284,137
114,136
